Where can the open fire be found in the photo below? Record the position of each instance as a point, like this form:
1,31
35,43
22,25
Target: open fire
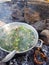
31,57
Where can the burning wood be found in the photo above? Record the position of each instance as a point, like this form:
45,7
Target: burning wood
42,56
31,16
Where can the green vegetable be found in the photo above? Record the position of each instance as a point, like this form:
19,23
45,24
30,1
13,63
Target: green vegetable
20,39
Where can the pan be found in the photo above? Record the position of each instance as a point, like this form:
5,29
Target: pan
7,28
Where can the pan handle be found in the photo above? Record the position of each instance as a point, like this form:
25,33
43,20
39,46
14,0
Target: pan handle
40,43
9,56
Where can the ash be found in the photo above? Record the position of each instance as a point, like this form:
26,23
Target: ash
27,58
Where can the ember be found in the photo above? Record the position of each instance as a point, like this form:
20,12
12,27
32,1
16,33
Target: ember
38,52
42,11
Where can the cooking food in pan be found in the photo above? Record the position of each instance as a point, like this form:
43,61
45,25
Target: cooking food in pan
19,39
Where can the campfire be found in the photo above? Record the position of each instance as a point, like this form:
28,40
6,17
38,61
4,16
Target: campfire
36,15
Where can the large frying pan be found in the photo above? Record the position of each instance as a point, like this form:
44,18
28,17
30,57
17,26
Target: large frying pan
6,28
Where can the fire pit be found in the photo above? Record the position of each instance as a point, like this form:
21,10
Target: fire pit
28,58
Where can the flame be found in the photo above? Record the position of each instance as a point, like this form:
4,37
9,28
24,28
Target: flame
47,0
